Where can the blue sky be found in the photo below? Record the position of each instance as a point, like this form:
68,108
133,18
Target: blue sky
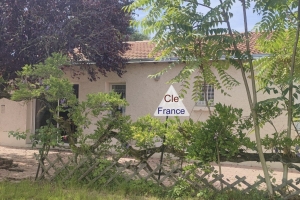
236,21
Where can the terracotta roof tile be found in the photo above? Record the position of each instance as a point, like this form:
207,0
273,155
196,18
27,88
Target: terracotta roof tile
142,49
253,38
139,49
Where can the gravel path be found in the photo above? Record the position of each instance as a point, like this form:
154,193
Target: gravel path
27,162
25,159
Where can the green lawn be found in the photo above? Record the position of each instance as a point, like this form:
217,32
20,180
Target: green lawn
28,190
39,191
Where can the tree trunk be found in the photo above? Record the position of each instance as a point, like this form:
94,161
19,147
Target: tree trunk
290,102
253,103
253,110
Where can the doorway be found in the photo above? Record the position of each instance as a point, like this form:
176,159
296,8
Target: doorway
42,114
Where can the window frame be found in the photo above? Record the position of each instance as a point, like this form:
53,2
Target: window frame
210,91
123,108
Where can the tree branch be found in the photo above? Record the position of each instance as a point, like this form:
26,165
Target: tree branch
4,94
200,4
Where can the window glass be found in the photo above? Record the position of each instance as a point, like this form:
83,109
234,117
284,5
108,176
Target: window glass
120,89
207,91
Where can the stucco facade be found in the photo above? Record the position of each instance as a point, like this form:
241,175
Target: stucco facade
142,93
15,116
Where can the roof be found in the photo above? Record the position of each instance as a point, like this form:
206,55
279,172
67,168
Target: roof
253,38
140,50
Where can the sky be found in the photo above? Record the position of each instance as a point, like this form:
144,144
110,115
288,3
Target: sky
236,21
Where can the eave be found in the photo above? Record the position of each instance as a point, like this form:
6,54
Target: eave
175,59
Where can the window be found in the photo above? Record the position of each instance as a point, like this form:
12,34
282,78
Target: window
297,123
207,93
120,89
297,126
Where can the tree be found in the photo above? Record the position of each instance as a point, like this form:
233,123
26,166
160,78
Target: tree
182,29
137,36
45,82
30,31
280,26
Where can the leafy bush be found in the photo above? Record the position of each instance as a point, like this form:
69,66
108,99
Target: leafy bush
208,194
142,188
181,189
224,133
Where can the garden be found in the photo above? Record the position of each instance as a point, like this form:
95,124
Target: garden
111,156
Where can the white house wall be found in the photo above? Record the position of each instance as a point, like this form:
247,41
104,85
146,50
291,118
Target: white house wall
145,94
142,93
14,116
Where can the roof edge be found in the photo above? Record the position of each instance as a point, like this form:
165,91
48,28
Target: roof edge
165,60
176,59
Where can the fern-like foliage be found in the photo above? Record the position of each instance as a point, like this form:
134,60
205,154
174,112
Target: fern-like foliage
277,15
191,31
276,67
278,32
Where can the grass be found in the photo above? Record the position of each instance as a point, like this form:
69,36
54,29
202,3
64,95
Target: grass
27,190
137,190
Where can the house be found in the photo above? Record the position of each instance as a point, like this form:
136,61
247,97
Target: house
142,93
